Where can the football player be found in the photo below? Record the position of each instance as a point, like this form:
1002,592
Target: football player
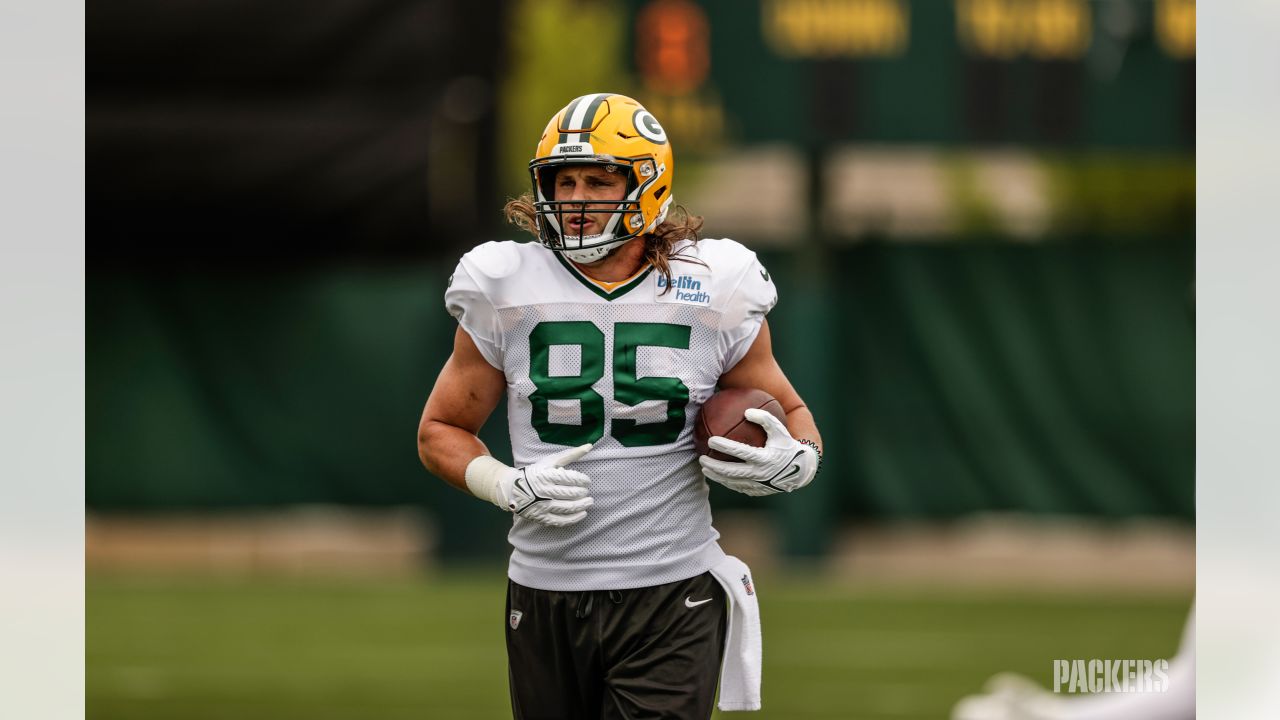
607,335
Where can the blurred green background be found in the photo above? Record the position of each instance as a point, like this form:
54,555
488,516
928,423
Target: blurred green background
979,215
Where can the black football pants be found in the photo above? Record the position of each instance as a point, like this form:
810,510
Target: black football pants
616,654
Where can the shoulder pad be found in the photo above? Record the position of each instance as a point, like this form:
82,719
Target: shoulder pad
725,256
494,260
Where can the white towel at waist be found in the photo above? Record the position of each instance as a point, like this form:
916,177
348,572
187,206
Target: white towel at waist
740,671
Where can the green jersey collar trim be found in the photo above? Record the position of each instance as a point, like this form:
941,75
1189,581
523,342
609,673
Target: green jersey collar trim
606,294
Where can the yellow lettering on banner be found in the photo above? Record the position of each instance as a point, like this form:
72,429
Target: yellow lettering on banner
691,120
987,27
1043,29
836,28
1176,27
1061,29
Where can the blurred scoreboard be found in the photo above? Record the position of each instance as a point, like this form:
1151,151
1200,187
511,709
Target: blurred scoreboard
1072,73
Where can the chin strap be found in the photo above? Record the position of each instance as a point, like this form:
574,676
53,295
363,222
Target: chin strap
593,254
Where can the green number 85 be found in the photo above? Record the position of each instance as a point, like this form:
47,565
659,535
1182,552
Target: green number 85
627,388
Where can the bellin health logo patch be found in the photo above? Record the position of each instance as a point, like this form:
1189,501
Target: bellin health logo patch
693,289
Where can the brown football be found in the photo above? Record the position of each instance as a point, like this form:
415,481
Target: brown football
722,415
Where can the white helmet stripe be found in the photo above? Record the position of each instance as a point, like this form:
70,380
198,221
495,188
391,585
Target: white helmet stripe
580,112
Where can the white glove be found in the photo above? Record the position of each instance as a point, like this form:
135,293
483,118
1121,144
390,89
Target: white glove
782,465
545,492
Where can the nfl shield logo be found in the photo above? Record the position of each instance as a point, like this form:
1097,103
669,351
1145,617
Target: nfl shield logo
514,619
746,582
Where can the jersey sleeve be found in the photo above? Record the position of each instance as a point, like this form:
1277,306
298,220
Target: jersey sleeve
474,311
752,298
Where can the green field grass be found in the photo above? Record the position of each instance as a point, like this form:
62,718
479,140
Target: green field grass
197,649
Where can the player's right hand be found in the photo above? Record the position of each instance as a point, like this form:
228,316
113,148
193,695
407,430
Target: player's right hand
547,492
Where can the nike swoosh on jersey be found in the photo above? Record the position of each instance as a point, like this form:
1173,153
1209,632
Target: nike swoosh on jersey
690,602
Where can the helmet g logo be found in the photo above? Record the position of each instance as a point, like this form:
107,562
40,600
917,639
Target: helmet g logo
647,125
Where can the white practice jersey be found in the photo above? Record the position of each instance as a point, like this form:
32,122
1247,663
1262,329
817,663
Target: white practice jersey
626,368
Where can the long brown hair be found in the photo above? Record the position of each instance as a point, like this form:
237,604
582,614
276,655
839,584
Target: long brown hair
658,245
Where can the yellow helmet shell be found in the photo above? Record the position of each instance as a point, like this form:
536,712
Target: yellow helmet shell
610,130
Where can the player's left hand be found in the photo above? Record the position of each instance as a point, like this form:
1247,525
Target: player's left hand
782,465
